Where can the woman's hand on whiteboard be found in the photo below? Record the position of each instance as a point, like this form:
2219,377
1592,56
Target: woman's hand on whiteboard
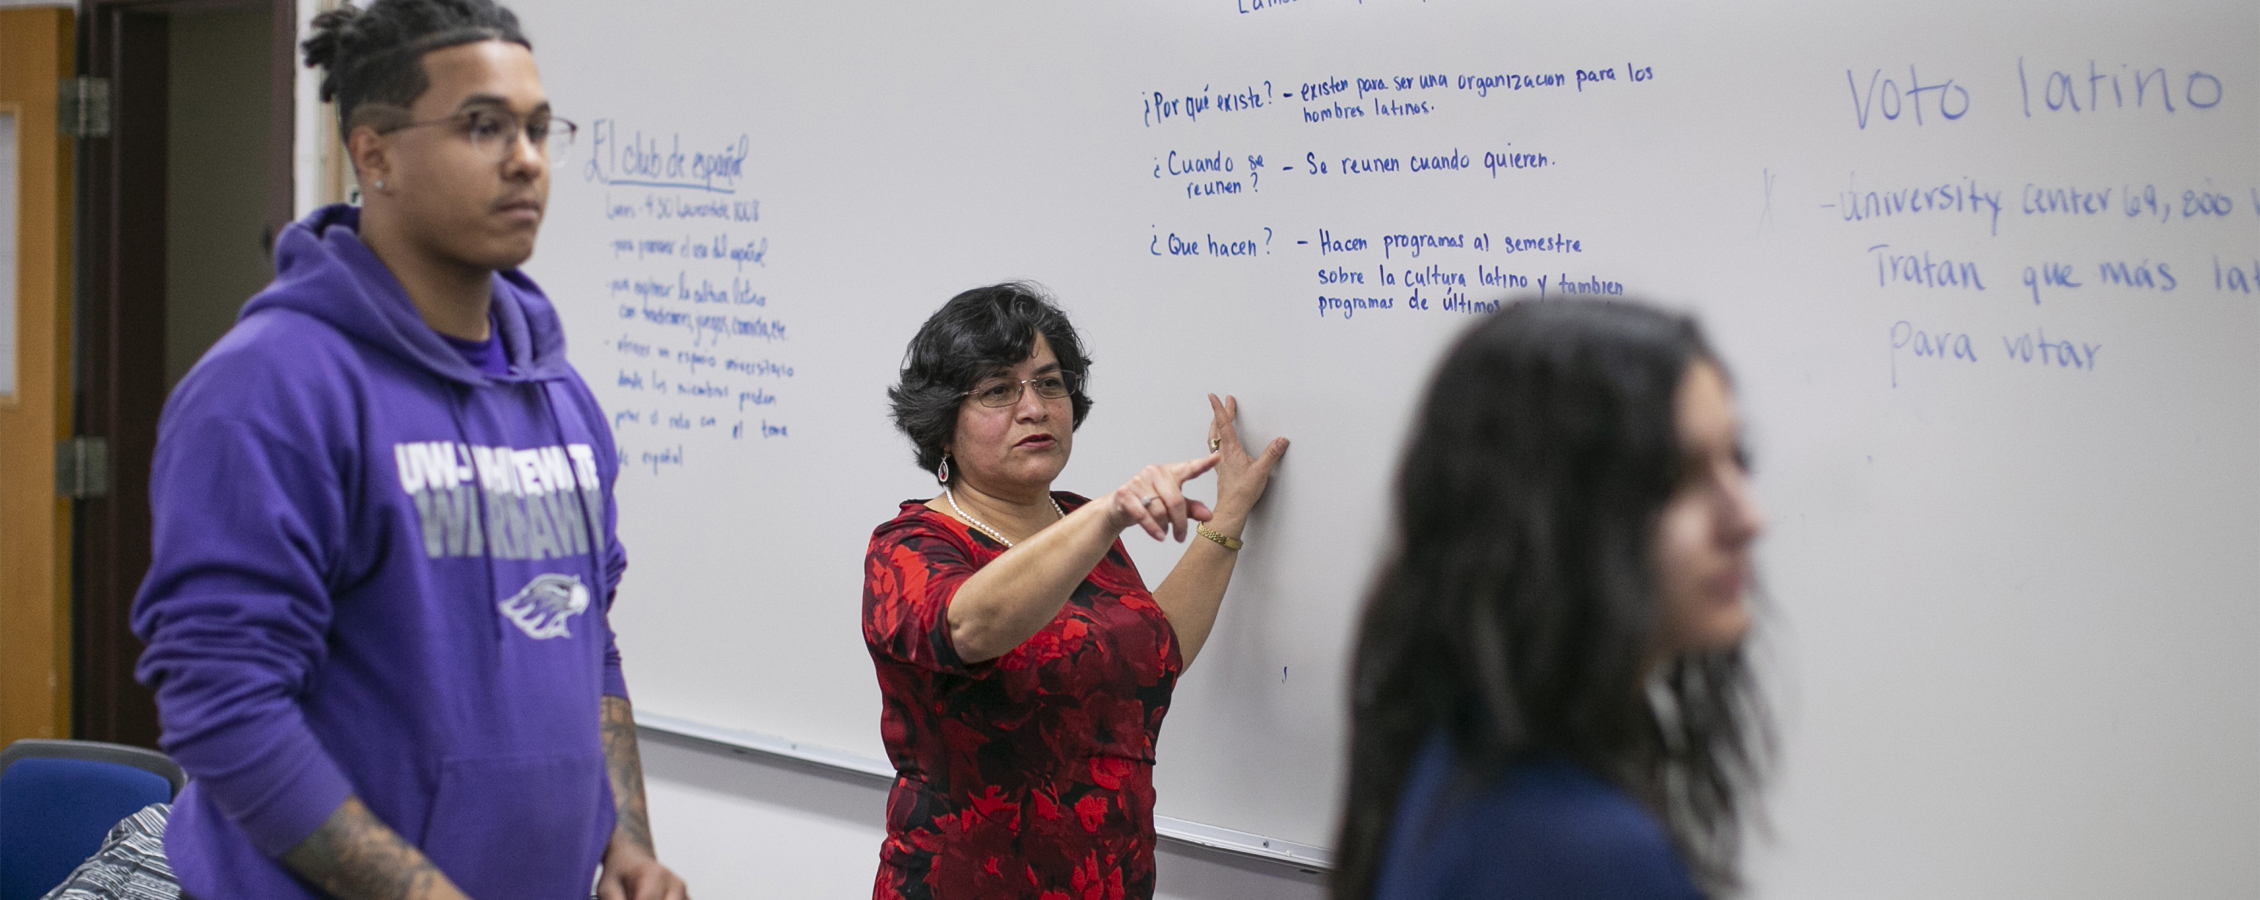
1240,476
1155,500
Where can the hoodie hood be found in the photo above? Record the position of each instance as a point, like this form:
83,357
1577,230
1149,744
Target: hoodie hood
323,270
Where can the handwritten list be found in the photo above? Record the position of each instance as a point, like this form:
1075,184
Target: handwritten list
700,347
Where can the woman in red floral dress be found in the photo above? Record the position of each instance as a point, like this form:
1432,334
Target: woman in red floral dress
1024,665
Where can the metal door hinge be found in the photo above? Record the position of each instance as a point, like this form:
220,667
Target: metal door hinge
83,107
82,468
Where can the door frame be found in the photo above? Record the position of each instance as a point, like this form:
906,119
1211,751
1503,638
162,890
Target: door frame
121,316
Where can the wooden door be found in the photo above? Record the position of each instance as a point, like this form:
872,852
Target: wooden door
36,53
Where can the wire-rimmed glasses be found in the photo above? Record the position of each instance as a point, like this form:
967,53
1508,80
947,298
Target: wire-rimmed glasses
1002,393
493,133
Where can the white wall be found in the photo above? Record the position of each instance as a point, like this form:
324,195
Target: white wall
750,826
2019,587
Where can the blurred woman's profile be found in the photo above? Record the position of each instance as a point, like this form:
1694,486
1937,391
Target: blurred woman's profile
1549,693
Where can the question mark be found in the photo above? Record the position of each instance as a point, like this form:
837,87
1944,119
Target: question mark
1267,240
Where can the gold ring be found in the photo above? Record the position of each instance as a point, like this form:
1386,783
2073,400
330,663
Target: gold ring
1215,444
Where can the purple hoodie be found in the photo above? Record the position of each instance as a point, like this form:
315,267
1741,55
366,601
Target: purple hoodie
381,572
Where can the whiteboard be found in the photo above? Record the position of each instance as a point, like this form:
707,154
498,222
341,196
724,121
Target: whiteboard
1985,275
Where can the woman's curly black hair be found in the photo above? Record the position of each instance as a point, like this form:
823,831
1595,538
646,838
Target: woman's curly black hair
375,55
977,334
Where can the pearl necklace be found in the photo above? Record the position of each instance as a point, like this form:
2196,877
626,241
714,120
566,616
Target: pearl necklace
984,526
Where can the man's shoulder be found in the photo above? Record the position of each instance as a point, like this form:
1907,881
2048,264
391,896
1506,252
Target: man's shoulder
286,370
275,342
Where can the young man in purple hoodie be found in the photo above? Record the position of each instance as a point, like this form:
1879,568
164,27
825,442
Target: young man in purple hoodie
377,616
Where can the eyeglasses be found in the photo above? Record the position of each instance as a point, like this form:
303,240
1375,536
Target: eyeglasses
494,133
998,394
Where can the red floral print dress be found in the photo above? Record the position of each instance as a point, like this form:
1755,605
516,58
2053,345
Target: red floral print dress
1029,775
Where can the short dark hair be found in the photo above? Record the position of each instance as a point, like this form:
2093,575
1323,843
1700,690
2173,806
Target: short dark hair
375,55
973,336
1519,605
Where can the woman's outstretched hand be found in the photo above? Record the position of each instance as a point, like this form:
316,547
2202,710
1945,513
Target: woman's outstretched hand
1240,477
1155,500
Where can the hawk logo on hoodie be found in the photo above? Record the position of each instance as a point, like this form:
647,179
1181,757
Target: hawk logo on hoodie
541,608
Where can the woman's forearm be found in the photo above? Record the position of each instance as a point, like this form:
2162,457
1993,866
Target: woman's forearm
1018,593
1194,590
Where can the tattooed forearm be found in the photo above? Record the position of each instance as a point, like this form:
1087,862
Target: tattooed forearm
625,766
354,856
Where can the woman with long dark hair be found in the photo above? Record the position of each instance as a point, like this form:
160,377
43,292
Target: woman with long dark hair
1549,695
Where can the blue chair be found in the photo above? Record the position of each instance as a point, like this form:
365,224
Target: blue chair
58,799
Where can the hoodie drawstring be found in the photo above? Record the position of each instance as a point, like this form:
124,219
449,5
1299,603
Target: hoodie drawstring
588,516
479,494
